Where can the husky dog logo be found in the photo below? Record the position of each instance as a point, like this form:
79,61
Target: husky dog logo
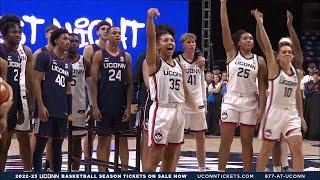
224,115
267,133
158,136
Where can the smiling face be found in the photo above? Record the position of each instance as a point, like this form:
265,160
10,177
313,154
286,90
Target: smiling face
246,42
166,45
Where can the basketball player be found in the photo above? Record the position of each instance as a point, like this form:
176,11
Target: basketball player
280,150
54,111
196,86
5,107
81,72
240,104
48,47
111,95
102,28
168,91
284,111
19,76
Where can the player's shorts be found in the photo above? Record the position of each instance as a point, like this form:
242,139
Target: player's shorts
237,109
111,121
54,128
166,124
195,121
13,119
281,120
144,115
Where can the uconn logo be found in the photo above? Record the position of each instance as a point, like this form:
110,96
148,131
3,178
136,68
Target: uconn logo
168,72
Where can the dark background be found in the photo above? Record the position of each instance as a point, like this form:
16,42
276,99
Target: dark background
239,18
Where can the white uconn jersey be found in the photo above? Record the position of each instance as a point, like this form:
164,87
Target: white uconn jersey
283,89
242,74
166,85
78,84
192,74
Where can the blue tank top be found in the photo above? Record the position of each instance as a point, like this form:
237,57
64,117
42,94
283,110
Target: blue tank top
112,94
57,73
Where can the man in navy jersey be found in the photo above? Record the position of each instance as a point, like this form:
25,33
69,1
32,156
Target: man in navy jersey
111,95
102,28
16,63
48,47
52,83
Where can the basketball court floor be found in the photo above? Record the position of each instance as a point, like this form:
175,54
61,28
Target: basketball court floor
188,161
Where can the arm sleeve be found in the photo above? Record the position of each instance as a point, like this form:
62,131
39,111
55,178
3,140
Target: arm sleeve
42,61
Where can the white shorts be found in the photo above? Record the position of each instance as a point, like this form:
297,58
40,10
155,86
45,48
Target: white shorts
237,109
166,124
281,120
196,121
79,121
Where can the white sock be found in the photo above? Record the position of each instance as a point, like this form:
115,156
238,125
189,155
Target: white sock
202,169
276,168
221,170
266,169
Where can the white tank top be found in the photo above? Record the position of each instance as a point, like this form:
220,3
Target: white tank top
242,74
283,89
166,84
78,87
192,75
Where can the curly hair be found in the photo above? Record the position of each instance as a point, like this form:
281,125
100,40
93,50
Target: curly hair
7,22
56,34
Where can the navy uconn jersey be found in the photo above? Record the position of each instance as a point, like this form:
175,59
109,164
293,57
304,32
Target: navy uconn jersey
112,93
57,73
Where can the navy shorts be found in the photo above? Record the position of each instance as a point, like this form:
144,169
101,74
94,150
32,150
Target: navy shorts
55,128
13,114
111,121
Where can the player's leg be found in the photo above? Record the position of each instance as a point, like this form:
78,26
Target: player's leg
276,154
76,151
266,149
295,145
103,151
170,151
227,132
49,154
4,147
201,150
124,152
246,136
144,149
38,152
25,149
57,155
155,156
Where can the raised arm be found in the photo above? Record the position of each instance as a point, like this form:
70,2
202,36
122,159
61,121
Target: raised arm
226,34
145,74
151,56
273,68
258,38
298,56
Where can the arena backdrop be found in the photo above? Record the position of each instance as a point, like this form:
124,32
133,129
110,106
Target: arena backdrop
82,16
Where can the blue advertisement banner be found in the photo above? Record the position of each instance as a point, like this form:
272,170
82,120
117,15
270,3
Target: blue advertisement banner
82,16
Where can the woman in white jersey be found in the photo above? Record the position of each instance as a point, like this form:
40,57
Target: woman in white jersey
284,109
168,92
240,104
280,150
